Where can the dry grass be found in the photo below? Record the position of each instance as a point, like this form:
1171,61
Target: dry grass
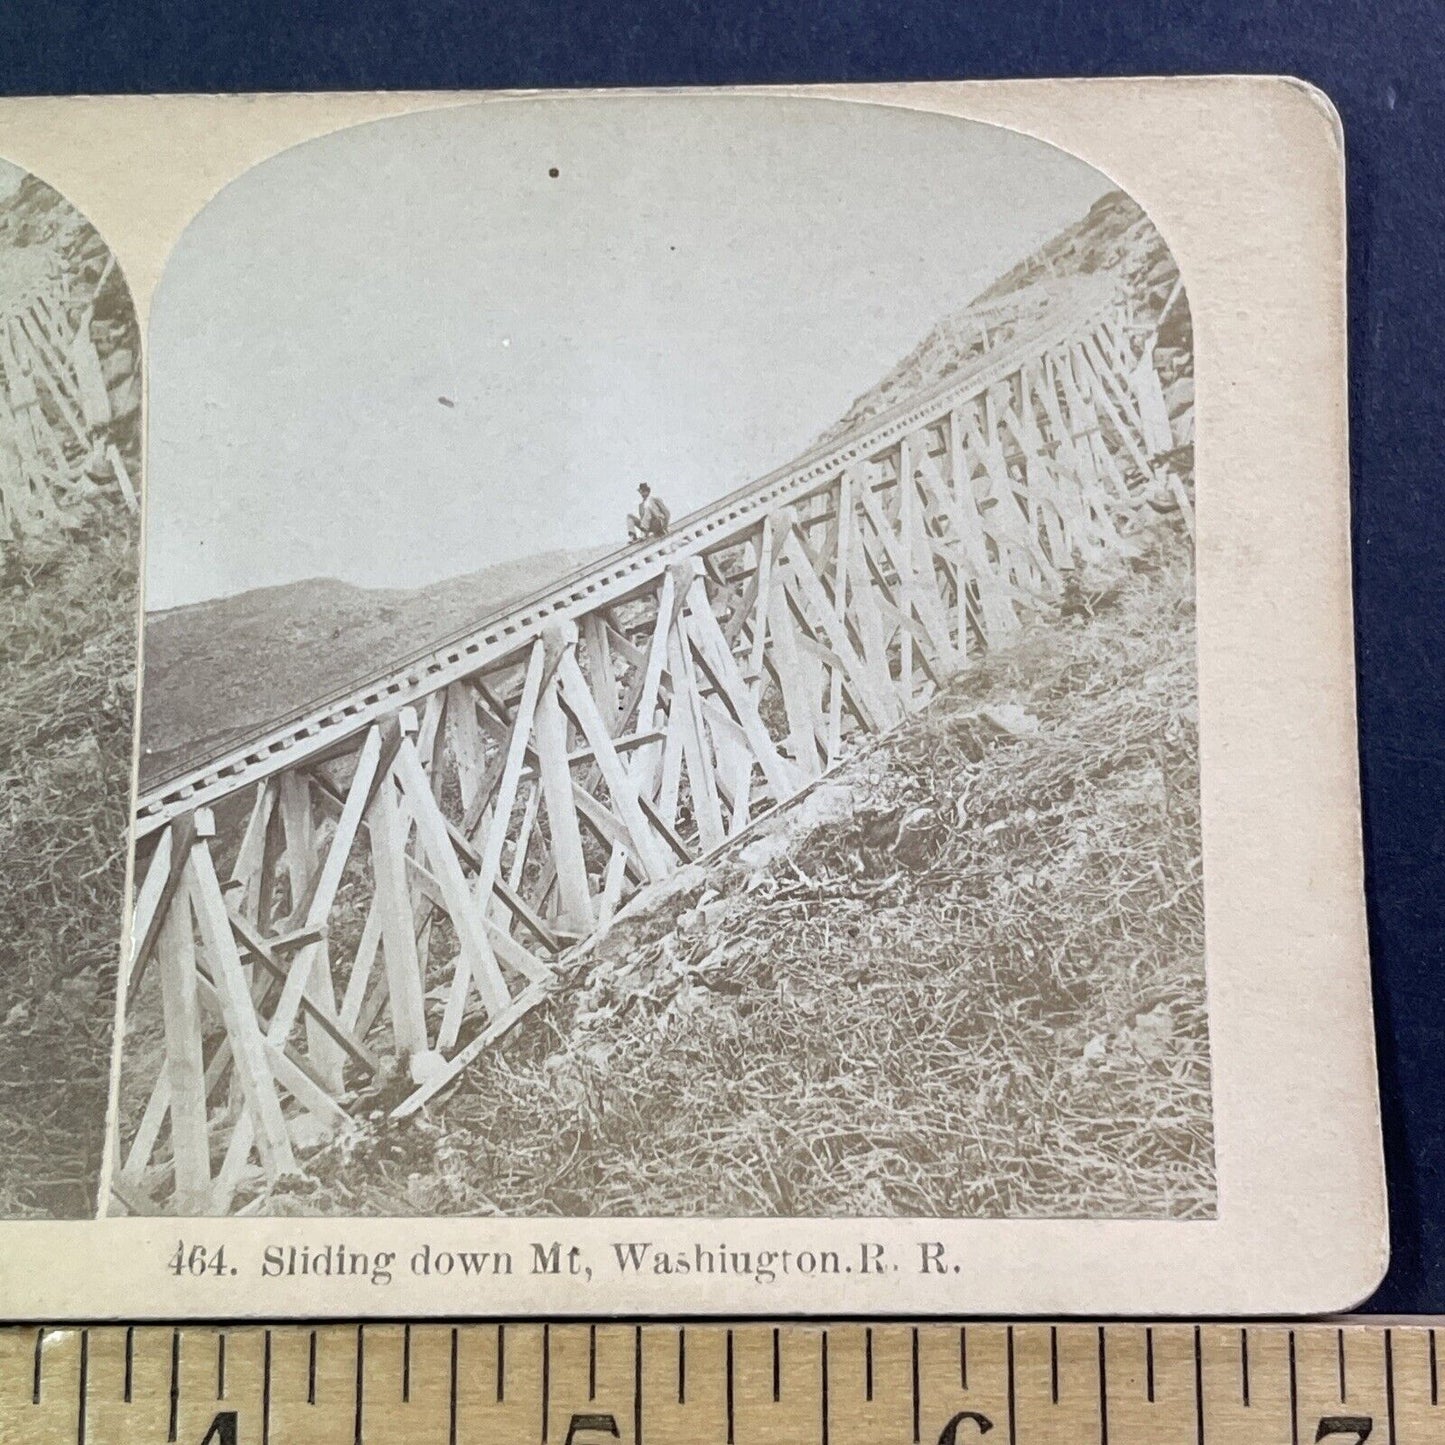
977,990
67,661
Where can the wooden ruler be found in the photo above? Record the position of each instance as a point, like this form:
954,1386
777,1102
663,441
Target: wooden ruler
744,1384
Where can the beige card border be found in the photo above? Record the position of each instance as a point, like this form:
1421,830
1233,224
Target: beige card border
1244,177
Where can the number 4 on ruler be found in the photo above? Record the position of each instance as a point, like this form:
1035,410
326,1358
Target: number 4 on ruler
223,1430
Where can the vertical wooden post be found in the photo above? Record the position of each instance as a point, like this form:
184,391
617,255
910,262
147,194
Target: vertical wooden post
905,579
863,602
649,759
840,608
465,911
398,928
602,678
301,859
184,1064
506,795
574,891
359,978
263,1119
709,637
522,843
251,856
465,739
963,570
687,717
787,664
622,787
323,895
766,548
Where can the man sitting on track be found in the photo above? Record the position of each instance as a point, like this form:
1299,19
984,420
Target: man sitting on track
651,519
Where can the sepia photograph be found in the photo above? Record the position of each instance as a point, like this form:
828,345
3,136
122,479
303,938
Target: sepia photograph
70,440
669,675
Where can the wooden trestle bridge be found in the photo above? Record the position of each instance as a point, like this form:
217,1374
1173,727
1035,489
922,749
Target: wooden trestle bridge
387,883
55,407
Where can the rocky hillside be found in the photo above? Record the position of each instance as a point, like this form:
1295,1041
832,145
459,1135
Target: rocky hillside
217,672
963,976
1115,239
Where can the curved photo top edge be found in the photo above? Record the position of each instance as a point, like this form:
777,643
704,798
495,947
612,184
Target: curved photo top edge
511,713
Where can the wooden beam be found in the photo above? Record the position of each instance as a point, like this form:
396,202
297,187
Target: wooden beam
464,910
266,952
397,927
621,785
465,739
879,711
491,860
328,880
301,847
263,1120
184,1066
520,1006
727,679
686,716
550,730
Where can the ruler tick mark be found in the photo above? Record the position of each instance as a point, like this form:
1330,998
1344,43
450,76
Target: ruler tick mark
777,1370
637,1385
868,1364
84,1386
1149,1365
824,1377
406,1364
501,1363
1009,1353
546,1378
266,1389
1103,1390
730,1385
220,1366
175,1384
591,1362
1054,1363
1434,1373
1340,1356
1390,1383
1293,1395
916,1401
35,1380
360,1376
1198,1388
963,1357
129,1363
452,1386
311,1370
1244,1364
681,1365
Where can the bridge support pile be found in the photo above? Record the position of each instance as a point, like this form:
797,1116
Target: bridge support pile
387,885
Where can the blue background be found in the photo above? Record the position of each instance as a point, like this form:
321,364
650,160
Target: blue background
1382,64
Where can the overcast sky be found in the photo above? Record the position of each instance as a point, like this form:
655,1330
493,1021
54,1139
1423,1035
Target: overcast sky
701,288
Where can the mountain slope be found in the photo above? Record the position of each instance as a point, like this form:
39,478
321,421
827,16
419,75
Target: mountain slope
1115,238
220,671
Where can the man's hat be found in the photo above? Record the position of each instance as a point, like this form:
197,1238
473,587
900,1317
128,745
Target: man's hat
643,488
